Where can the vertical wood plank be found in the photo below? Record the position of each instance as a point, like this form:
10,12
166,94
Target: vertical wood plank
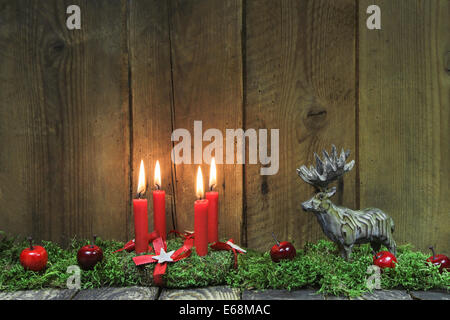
404,115
207,86
63,120
300,62
151,99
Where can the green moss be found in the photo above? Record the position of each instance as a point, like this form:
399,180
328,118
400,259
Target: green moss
316,265
320,266
114,270
193,271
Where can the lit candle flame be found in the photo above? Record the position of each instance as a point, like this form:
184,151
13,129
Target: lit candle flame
141,184
212,174
199,183
157,175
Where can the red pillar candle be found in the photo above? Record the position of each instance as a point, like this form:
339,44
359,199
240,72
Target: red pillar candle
141,215
213,206
200,219
159,205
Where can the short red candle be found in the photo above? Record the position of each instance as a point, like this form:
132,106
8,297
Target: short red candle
159,205
200,218
140,225
159,212
201,227
213,208
141,215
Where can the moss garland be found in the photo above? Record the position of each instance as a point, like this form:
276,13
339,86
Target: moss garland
316,265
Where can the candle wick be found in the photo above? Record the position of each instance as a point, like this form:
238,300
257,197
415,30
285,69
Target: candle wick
212,187
158,187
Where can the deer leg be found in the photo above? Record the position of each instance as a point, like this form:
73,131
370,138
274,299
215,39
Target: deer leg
348,252
375,246
342,250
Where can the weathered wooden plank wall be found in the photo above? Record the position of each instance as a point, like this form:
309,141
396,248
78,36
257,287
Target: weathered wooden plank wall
206,53
63,122
80,109
300,79
151,100
404,90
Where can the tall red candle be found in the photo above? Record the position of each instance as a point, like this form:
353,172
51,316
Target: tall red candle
141,215
213,206
159,205
200,219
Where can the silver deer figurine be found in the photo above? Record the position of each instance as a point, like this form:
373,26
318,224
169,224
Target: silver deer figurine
341,225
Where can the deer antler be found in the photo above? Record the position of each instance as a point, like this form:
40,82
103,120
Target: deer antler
326,170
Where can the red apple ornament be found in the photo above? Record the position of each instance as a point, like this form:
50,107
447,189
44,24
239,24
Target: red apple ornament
384,259
89,255
282,250
439,260
33,258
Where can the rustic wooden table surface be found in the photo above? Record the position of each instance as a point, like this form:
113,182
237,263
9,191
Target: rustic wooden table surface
208,293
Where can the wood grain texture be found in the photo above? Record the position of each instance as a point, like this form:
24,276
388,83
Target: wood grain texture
269,294
79,110
44,294
404,115
208,293
151,100
300,62
207,86
385,295
430,295
122,293
63,121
